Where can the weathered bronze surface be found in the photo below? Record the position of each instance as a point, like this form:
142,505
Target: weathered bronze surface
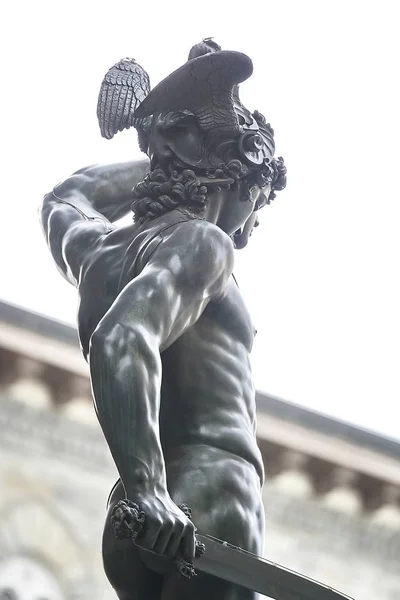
162,322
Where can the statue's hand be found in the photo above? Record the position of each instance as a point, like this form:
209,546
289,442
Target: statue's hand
155,523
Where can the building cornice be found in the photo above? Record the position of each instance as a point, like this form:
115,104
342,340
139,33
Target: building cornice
333,449
56,344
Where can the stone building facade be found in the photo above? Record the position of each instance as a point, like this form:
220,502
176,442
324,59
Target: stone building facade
331,496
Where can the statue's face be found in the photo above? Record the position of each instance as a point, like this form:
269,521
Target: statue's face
232,163
242,217
177,135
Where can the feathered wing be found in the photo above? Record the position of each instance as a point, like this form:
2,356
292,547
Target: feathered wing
123,88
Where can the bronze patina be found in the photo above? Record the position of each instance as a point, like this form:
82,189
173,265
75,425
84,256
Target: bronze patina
166,333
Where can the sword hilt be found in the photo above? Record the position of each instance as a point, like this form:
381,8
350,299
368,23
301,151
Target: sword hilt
128,520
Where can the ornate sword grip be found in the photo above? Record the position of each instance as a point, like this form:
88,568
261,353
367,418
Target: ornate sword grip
127,520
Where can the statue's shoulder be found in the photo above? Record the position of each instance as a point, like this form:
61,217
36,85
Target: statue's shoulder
193,246
194,235
181,242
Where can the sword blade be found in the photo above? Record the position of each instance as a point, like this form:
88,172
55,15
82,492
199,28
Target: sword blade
255,573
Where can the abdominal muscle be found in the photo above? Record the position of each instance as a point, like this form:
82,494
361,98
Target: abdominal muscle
207,398
207,427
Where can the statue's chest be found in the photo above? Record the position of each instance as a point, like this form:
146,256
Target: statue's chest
232,316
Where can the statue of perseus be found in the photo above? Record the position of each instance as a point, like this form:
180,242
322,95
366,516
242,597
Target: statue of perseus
165,331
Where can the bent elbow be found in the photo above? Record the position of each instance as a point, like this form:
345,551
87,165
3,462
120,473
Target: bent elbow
104,341
45,206
122,346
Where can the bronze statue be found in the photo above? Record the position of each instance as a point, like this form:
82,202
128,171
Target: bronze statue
162,322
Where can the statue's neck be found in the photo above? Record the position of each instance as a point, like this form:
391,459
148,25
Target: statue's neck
214,208
225,209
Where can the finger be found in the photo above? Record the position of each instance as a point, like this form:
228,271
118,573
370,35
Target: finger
147,538
175,541
163,538
188,544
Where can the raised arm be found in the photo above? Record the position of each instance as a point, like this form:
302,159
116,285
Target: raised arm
191,267
83,207
104,190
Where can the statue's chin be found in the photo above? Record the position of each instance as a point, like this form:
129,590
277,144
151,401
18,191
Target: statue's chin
240,239
242,235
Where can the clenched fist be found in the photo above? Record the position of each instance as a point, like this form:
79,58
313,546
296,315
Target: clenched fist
156,524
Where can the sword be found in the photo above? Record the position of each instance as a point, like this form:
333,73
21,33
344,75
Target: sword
231,563
258,574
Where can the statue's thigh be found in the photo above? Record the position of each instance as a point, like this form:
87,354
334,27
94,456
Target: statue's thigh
203,587
223,492
123,565
224,496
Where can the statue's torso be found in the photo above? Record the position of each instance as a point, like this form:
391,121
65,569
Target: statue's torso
207,394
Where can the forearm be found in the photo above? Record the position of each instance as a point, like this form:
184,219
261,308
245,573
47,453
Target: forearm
104,190
126,381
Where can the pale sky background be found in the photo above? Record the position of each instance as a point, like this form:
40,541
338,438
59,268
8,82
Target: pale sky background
321,275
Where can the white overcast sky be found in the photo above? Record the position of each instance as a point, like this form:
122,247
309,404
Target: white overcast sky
321,275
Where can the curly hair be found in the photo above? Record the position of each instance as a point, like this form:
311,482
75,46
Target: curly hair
161,191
